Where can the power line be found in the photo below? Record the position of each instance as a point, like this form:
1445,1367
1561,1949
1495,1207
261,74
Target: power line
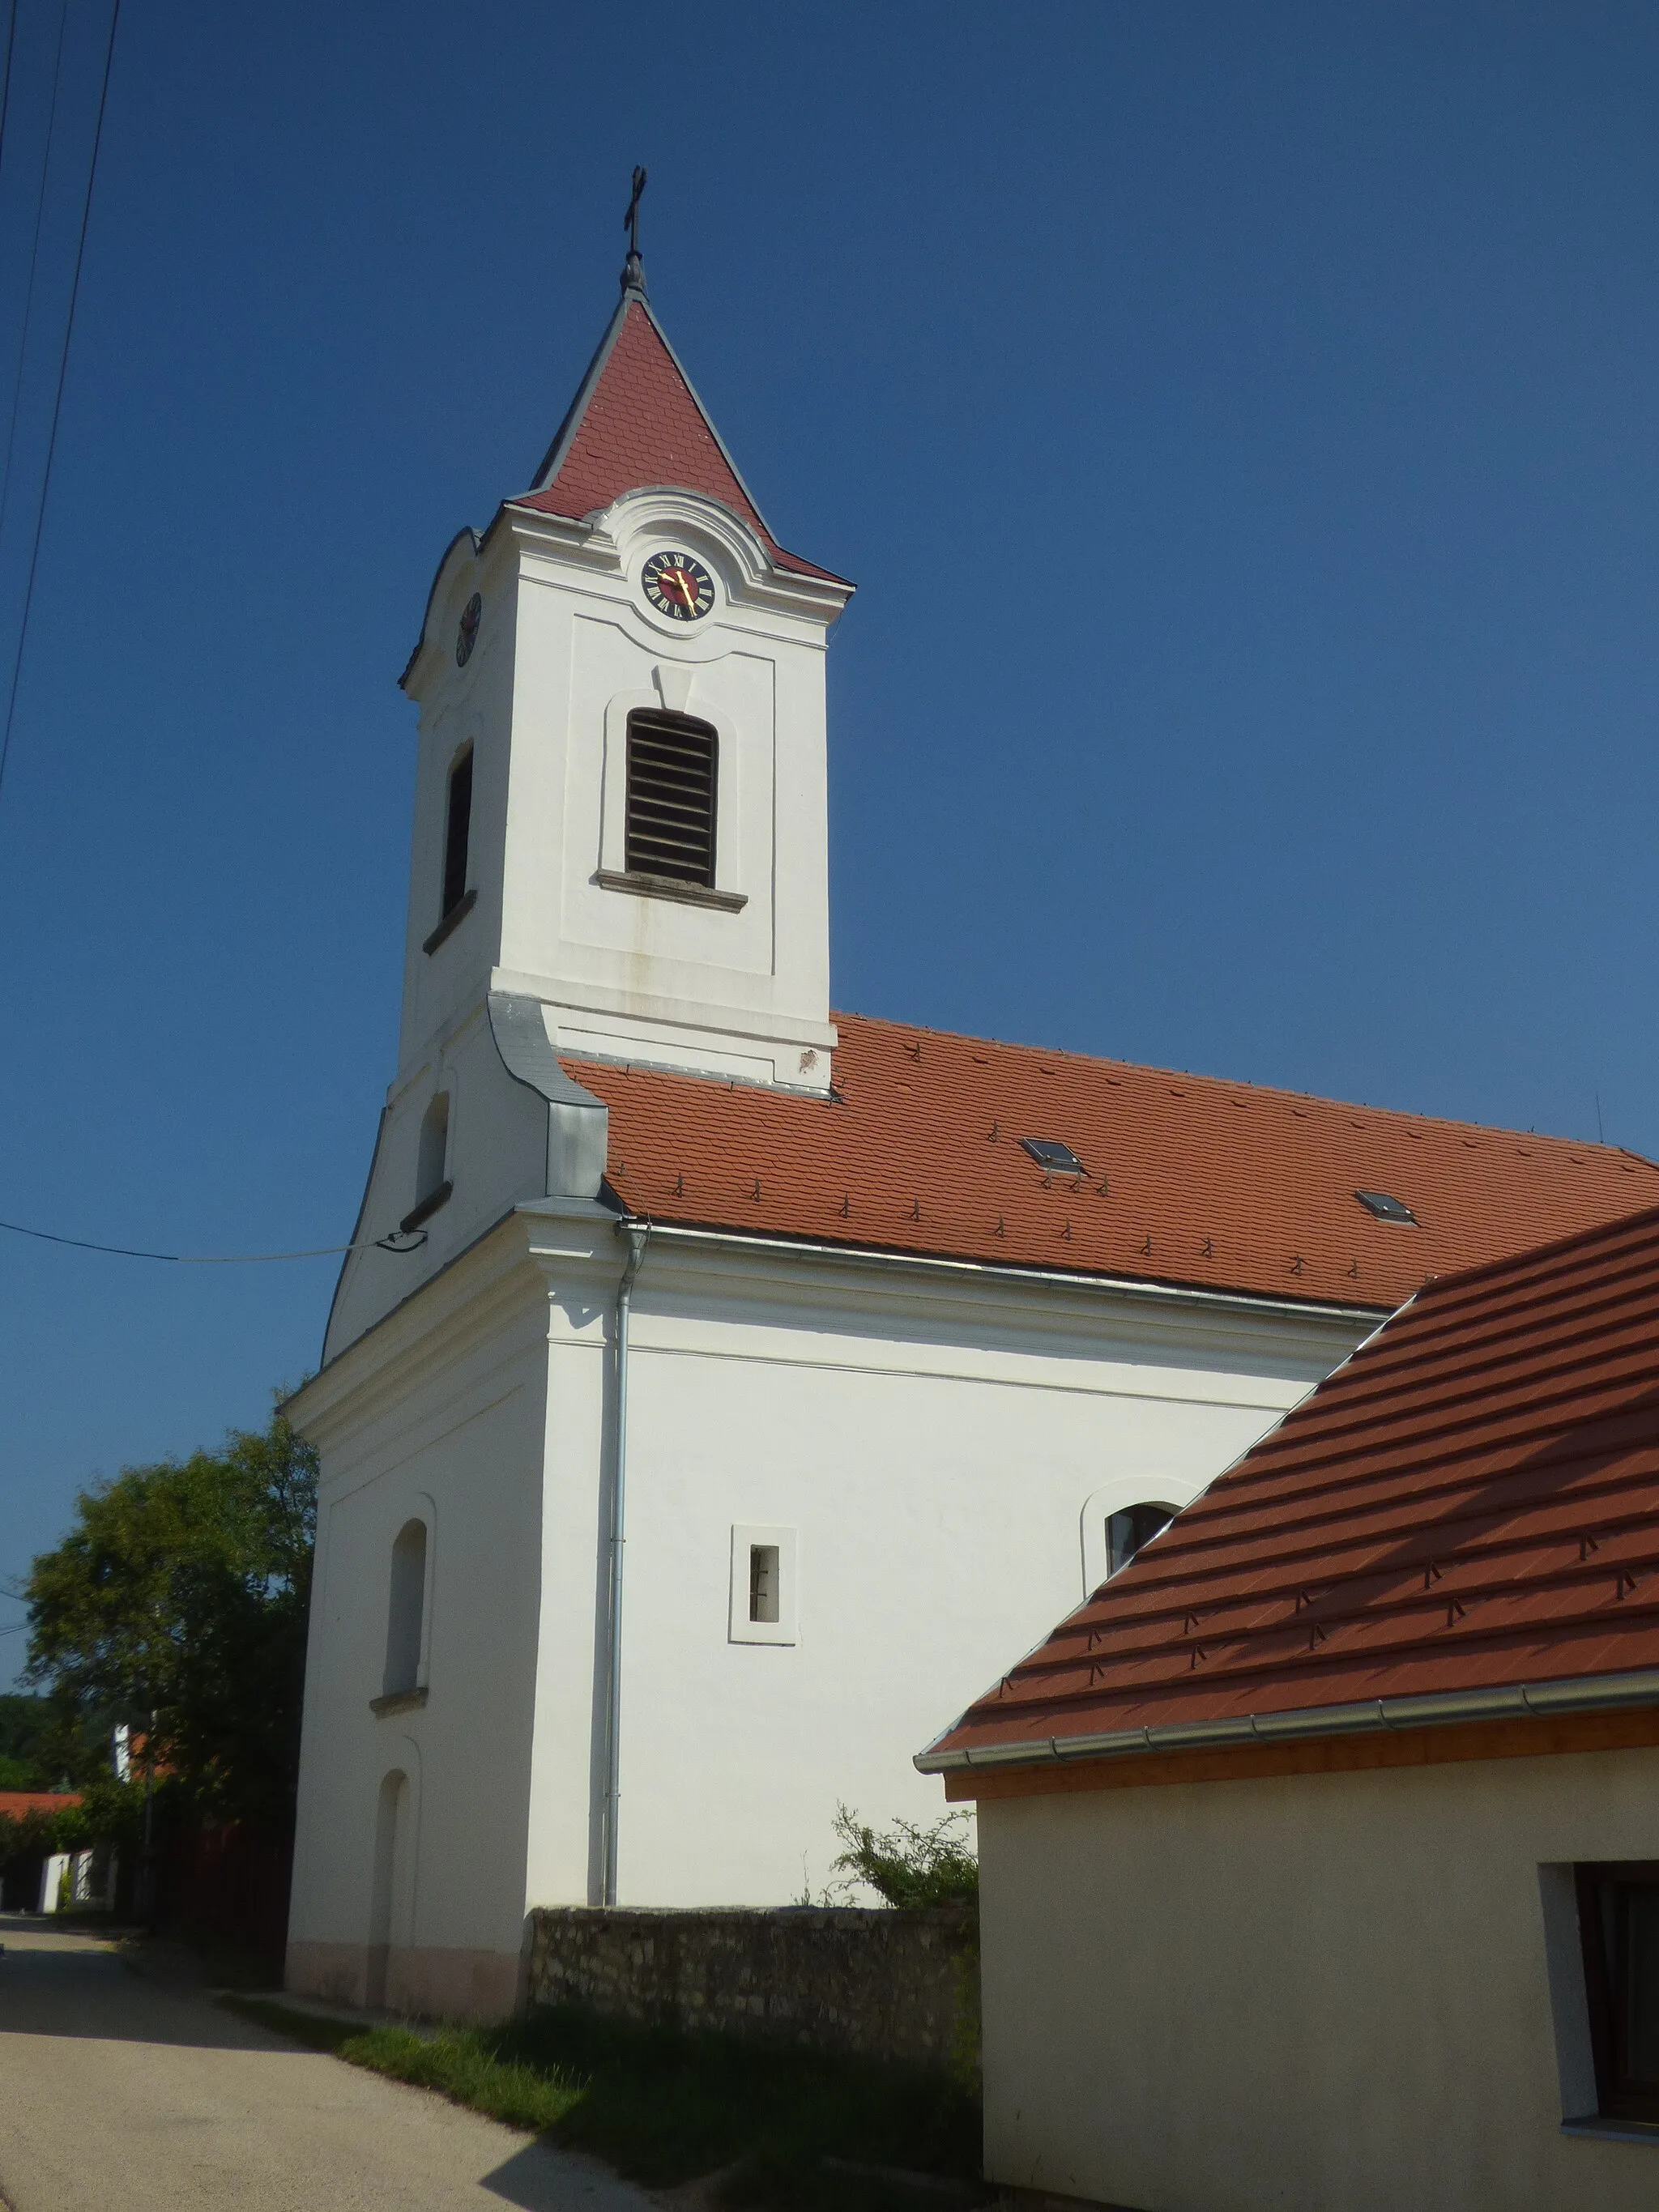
34,256
418,1237
5,88
62,371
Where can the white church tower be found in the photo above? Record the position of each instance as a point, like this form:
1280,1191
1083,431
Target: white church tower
620,845
619,856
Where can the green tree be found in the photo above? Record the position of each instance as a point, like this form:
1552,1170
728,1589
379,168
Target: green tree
178,1603
47,1743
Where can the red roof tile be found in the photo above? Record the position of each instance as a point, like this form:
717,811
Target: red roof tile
637,422
14,1803
1189,1181
1470,1502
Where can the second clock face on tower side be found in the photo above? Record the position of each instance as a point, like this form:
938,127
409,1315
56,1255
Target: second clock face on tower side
678,586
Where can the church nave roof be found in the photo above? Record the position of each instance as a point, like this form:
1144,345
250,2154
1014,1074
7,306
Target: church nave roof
1186,1179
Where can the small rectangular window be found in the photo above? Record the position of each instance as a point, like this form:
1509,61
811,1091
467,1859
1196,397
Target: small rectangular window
1618,1922
762,1582
672,772
762,1606
457,829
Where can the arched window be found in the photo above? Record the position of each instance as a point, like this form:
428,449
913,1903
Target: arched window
1131,1527
432,1184
406,1613
458,828
455,902
673,775
1124,1513
390,1842
435,1146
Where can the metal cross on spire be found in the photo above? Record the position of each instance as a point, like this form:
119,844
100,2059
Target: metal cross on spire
632,276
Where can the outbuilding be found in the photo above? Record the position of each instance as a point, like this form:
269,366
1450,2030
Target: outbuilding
1319,1848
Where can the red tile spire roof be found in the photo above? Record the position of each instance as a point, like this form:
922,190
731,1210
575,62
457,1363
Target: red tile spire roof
636,422
1469,1504
1188,1180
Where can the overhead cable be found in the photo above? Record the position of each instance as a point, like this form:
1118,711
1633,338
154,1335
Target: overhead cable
417,1238
5,82
20,372
57,399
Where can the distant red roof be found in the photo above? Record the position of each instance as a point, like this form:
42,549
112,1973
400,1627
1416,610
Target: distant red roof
14,1803
1187,1180
1470,1503
636,422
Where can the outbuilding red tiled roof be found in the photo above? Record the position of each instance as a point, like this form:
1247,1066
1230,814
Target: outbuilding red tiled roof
636,422
14,1803
1471,1503
1187,1180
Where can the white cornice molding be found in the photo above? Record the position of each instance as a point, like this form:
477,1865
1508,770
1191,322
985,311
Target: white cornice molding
466,550
1232,1324
548,1242
741,1025
448,1315
606,541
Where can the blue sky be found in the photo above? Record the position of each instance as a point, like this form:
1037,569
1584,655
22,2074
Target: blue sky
1239,421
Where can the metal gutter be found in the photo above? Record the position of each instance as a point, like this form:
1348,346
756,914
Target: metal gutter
638,1235
996,1271
1517,1701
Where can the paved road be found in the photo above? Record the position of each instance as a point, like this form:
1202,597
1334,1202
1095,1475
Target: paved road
118,2096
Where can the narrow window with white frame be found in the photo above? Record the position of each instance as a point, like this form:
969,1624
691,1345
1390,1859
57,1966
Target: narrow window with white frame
763,1604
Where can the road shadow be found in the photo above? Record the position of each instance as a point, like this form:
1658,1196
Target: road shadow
541,2178
62,1981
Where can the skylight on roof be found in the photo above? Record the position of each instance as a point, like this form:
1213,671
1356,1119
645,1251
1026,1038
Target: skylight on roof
1388,1209
1054,1156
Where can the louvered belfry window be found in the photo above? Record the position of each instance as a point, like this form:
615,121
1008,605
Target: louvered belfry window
672,773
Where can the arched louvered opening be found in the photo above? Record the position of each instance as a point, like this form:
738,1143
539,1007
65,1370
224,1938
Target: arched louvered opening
673,766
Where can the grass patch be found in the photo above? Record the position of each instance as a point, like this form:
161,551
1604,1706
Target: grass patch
663,2107
316,2031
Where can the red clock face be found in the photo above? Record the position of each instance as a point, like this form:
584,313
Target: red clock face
678,586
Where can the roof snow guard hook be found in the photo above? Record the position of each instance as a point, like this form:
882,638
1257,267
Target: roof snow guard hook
632,276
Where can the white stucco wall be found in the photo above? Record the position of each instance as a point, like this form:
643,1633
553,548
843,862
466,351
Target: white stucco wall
448,1429
1317,1994
931,1444
924,1441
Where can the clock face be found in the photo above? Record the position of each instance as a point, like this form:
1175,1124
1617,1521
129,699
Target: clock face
466,635
678,586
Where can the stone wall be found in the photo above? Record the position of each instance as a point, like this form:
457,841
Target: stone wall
882,1984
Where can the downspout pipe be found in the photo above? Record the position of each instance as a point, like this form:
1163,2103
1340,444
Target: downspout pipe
638,1234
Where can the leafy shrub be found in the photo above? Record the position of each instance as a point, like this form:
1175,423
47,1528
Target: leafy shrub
909,1865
